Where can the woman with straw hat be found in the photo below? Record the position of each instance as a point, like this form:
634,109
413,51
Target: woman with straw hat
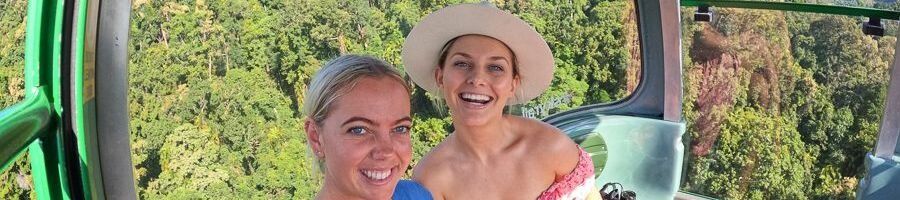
480,59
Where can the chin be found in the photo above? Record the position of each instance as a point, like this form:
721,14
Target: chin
475,118
382,193
469,120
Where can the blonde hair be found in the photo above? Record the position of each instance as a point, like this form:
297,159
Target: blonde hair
334,80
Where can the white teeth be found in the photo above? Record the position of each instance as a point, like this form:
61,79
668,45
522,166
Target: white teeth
377,175
476,97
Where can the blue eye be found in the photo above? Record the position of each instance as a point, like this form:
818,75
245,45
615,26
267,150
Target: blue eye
461,64
495,68
357,131
401,129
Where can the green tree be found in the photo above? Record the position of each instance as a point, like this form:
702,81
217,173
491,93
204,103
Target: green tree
588,41
757,157
191,166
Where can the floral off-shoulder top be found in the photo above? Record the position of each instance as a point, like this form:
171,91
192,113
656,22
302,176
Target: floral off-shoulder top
577,185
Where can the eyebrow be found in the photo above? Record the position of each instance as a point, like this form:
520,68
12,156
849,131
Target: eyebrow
499,58
462,54
368,121
404,119
492,57
356,119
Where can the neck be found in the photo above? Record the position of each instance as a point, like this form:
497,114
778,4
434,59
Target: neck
483,141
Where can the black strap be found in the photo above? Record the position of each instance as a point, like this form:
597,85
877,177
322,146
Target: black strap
617,192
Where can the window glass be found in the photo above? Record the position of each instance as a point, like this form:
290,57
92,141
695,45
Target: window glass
597,51
781,105
216,87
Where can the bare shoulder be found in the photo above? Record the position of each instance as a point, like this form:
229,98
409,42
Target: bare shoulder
544,134
432,172
555,145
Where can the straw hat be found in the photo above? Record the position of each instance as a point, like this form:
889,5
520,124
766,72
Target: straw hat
423,45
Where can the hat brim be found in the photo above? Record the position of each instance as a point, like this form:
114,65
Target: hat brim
424,44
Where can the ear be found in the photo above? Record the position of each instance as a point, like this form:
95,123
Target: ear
312,135
517,81
439,76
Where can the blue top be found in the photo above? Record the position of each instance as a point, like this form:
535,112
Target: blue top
410,190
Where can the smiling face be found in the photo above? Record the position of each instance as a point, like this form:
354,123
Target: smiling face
364,140
477,79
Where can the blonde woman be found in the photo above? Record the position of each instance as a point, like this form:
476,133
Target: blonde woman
481,59
357,124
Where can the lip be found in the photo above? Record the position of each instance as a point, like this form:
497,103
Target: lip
473,105
382,182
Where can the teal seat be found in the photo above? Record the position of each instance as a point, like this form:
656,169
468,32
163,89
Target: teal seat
882,180
644,155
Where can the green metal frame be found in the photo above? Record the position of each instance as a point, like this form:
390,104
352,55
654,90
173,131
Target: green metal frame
799,7
84,108
21,125
42,56
36,121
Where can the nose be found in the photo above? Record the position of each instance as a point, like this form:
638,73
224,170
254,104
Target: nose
384,147
476,77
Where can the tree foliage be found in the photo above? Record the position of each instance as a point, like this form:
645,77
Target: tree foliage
757,156
813,84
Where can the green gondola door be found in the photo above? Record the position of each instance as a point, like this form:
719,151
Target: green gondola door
59,121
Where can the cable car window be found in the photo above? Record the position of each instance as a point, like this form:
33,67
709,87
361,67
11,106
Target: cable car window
781,104
597,51
216,87
15,182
